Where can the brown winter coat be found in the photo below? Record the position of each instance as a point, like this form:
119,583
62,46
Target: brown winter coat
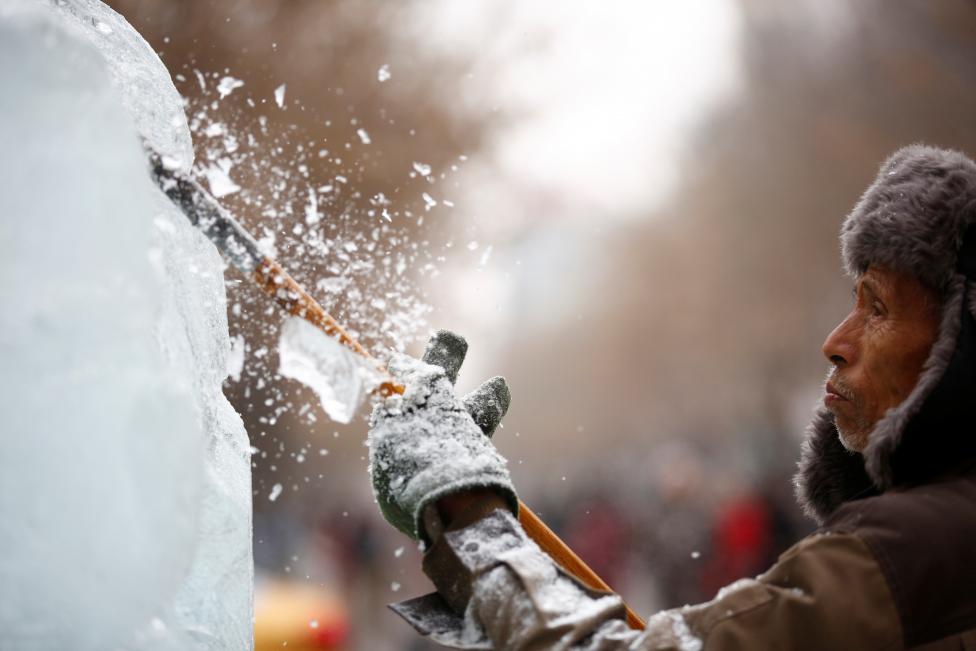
894,571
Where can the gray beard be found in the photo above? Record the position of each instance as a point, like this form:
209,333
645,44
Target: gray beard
853,439
856,440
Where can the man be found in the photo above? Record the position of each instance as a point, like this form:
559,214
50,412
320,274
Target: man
888,469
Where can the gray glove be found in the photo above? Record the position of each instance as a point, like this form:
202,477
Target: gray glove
427,444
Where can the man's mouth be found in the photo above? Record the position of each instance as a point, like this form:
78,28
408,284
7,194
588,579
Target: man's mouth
833,394
832,390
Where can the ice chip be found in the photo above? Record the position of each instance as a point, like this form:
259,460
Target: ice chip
338,376
485,256
421,168
213,130
227,86
275,492
363,136
279,95
171,164
218,178
383,74
312,215
235,358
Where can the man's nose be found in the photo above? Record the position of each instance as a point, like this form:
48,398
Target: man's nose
840,345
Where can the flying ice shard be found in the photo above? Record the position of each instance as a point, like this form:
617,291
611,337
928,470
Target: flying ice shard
339,377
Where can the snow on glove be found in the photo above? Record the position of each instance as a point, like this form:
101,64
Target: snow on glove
428,444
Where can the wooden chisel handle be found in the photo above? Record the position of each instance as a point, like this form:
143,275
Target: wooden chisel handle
560,552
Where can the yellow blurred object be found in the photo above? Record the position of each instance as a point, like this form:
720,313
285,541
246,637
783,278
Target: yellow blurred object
298,616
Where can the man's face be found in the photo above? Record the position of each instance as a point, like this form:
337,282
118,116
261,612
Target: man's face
878,350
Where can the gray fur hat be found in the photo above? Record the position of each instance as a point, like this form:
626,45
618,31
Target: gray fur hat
914,218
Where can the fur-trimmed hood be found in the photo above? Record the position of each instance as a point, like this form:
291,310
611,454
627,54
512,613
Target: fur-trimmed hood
914,218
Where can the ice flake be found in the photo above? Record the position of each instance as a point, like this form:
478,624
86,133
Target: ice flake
235,358
429,201
213,130
170,163
363,136
275,492
279,95
332,285
267,245
227,86
473,245
421,168
398,552
395,587
312,215
218,177
383,74
485,256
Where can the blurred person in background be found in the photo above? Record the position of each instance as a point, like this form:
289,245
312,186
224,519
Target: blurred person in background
888,469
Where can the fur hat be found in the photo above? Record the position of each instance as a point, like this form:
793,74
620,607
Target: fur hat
914,218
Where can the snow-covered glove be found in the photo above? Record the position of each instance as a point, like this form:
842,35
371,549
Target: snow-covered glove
428,444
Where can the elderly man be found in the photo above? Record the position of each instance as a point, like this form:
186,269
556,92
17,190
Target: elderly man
888,469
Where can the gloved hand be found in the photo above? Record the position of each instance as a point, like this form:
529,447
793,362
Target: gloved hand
427,444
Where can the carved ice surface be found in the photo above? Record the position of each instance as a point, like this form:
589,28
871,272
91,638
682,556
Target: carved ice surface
125,504
338,376
146,90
